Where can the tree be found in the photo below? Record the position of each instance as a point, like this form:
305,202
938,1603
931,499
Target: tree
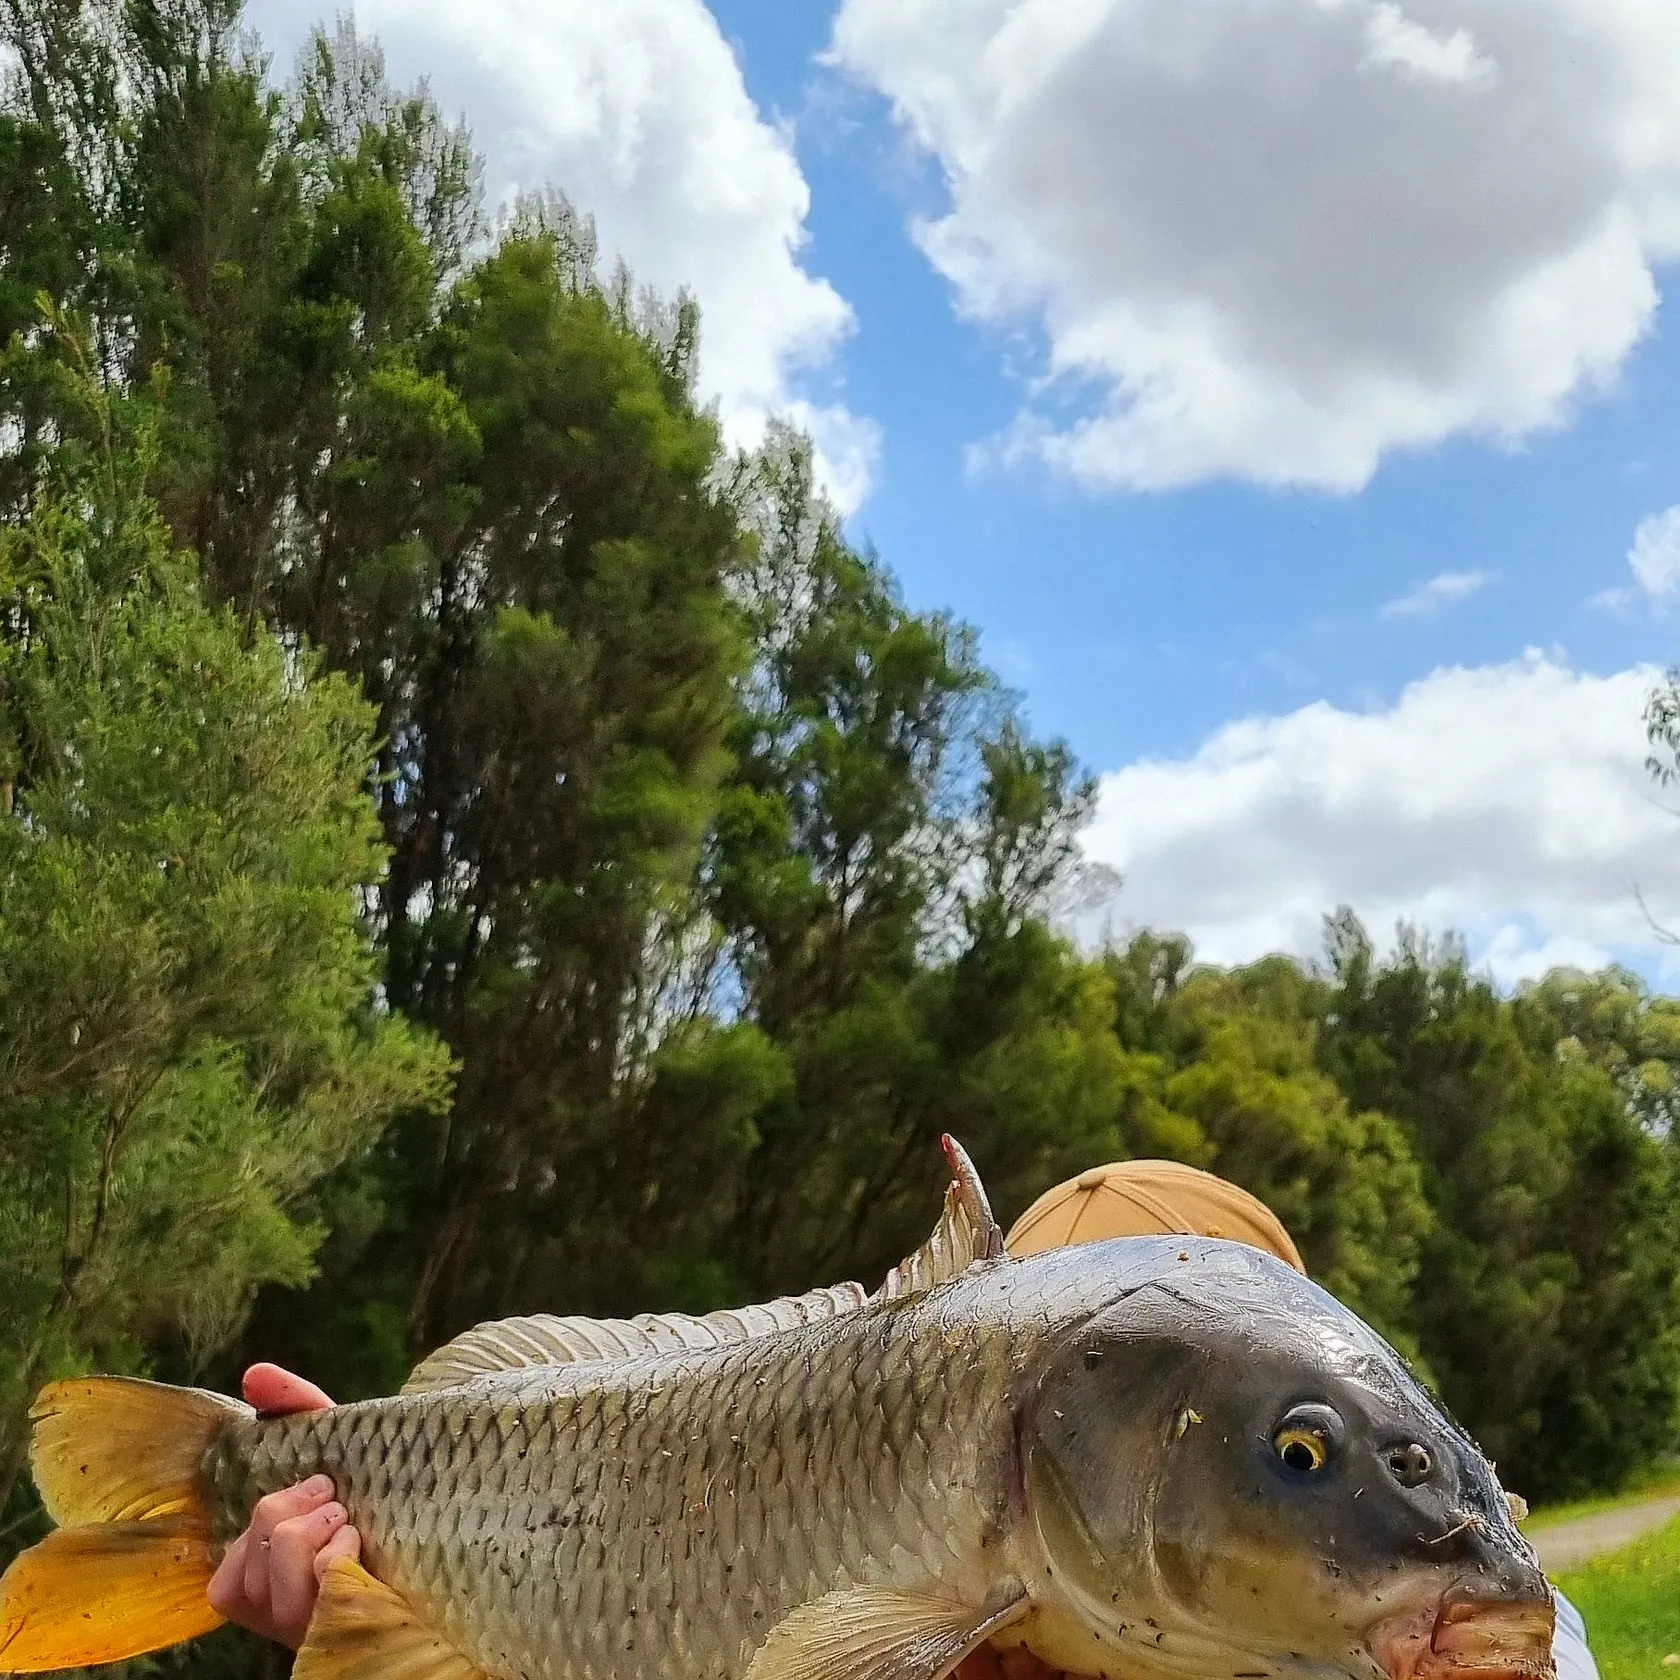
189,1033
472,475
1546,1293
1235,1057
561,742
276,252
882,861
1612,1405
519,553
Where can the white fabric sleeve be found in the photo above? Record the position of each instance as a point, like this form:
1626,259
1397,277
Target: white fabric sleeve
1569,1644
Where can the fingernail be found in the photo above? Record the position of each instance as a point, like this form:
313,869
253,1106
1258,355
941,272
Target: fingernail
318,1485
333,1514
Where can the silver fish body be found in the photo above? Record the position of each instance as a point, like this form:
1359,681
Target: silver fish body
660,1515
1145,1459
1031,1438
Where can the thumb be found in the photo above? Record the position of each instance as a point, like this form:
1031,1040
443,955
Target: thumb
273,1390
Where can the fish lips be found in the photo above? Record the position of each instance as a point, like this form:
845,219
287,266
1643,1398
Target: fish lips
1466,1637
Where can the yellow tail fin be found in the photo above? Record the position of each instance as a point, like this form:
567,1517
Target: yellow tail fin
117,1462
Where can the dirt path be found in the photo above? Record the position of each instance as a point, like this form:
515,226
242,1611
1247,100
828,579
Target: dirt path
1567,1545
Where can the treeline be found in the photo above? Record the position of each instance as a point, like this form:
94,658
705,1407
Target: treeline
471,844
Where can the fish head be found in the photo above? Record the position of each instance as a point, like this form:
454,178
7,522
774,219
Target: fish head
1231,1475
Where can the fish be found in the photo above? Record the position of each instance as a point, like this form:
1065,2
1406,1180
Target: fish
1144,1459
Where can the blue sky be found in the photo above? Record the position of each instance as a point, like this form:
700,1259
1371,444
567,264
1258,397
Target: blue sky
1136,624
1417,251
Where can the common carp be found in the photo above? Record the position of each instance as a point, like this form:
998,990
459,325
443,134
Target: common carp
1144,1459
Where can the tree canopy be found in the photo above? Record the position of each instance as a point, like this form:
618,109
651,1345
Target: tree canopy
191,1032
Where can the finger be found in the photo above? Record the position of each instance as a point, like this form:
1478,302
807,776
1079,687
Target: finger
298,1500
267,1515
347,1543
226,1591
291,1569
272,1390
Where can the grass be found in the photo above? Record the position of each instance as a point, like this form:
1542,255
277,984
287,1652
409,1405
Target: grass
1631,1602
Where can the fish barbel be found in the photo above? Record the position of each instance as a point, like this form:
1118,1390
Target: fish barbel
1145,1458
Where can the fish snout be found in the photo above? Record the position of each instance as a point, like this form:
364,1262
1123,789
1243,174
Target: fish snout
1472,1636
1503,1636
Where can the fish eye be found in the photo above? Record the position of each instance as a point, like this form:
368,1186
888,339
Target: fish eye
1306,1438
1302,1449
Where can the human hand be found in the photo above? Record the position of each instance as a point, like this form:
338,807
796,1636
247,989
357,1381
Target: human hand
268,1578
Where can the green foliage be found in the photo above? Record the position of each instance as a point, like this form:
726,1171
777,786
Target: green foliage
558,717
1488,1179
1546,1294
879,869
1232,1058
187,1034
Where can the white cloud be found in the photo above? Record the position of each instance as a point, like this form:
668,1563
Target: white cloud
1508,802
846,446
638,112
1440,591
1392,38
1277,239
1655,555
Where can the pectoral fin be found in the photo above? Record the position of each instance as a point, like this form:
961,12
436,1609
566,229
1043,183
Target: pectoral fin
365,1630
881,1633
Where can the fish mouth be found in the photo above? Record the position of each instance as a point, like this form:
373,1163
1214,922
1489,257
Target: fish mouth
1465,1638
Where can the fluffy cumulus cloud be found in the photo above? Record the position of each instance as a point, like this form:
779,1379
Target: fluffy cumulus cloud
1509,803
1654,558
1275,239
638,112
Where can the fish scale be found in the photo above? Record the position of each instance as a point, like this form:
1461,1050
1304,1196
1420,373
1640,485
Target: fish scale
677,1505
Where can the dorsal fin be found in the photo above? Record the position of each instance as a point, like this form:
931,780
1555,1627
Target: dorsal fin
966,1232
512,1344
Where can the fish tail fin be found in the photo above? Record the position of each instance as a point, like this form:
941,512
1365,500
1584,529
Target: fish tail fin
119,1464
94,1595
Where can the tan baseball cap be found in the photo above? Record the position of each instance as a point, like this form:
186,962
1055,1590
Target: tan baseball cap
1149,1199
